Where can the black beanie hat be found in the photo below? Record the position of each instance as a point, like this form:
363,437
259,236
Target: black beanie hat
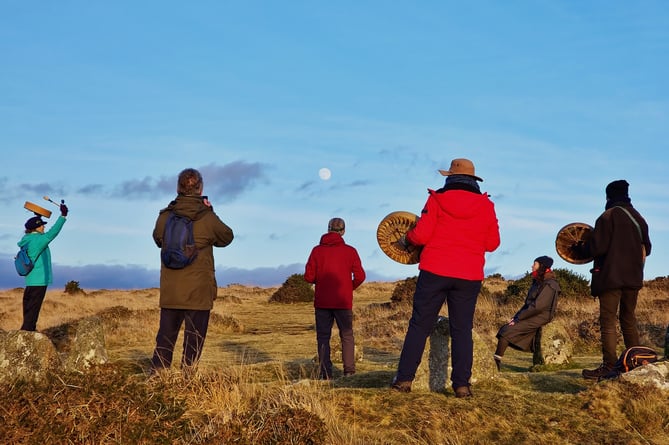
546,261
34,222
617,189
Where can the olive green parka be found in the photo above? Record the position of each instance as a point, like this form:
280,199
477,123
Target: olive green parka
193,287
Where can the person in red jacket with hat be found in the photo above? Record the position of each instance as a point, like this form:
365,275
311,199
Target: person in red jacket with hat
336,270
457,226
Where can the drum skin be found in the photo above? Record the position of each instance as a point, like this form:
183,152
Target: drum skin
37,210
393,227
569,235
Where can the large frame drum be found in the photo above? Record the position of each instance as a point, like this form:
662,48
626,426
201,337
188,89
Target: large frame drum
37,210
567,237
393,227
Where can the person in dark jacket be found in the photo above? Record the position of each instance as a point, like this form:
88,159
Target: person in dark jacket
187,295
457,226
41,276
619,244
538,310
336,270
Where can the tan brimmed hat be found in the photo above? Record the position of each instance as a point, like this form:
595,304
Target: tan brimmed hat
461,166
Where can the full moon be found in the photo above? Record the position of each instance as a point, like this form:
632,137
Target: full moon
324,173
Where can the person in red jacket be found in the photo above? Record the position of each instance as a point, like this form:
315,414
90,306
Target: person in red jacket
336,270
457,226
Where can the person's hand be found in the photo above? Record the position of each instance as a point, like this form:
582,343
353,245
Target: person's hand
578,249
404,244
512,322
63,210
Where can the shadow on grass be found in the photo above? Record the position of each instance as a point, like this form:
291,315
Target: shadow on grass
564,382
370,379
375,355
247,354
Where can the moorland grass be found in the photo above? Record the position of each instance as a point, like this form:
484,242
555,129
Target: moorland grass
256,383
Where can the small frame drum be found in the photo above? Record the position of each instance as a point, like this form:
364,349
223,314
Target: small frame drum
393,227
37,210
568,236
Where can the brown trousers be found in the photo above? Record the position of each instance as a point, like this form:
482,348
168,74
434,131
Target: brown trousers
609,304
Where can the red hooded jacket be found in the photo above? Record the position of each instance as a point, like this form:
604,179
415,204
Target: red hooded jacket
456,228
335,268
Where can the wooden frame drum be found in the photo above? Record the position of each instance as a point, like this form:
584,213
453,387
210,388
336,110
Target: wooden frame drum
568,236
393,227
37,210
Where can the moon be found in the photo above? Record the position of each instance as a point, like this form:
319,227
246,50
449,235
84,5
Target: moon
324,173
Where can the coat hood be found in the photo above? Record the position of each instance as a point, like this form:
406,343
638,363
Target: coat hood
461,204
331,239
190,206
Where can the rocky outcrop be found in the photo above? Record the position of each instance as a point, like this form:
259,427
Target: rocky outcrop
32,356
653,374
27,356
87,346
552,345
435,366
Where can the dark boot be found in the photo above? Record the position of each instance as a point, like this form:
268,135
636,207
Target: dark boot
404,386
463,392
597,373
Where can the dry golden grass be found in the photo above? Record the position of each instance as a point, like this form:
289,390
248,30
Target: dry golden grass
255,382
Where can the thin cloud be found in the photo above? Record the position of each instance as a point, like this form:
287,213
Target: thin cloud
226,182
91,189
136,189
229,181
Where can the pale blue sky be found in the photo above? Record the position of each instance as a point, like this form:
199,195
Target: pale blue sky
102,104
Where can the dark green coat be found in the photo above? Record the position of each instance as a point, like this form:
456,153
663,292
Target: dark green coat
193,287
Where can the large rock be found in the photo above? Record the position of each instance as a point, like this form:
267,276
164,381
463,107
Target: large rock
653,374
552,345
435,366
87,346
72,347
27,356
438,356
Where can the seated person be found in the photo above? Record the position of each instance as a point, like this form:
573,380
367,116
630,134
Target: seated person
539,309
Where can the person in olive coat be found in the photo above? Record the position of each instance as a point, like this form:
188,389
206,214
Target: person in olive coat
187,295
538,310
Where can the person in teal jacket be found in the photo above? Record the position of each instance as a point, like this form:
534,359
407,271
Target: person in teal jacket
41,276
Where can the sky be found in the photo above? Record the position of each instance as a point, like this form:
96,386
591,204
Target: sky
102,104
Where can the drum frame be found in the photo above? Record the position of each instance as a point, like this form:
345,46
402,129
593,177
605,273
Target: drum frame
37,210
393,227
569,235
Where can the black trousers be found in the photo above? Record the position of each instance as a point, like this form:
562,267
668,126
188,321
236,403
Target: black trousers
195,331
33,297
431,293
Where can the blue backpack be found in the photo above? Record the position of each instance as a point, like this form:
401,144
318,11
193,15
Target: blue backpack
178,249
24,265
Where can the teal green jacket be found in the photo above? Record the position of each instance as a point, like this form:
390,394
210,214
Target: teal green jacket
38,251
